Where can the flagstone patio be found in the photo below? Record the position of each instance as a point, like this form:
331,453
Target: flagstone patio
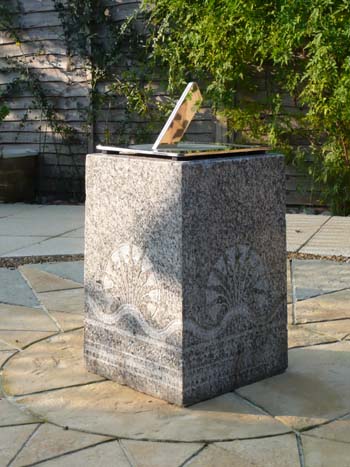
55,413
33,230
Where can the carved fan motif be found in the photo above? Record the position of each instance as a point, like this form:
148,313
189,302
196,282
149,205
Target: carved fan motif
237,285
129,285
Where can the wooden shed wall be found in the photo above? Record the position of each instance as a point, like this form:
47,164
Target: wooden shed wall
67,85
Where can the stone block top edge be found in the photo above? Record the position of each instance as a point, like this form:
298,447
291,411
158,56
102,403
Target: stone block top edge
208,160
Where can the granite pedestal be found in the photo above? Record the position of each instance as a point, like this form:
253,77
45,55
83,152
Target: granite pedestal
185,276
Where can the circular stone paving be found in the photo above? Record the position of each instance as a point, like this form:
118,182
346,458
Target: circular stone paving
58,414
50,380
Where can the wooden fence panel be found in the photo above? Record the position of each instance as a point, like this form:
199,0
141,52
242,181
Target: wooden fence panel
67,87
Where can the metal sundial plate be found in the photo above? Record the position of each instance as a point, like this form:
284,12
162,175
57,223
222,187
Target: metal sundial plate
182,115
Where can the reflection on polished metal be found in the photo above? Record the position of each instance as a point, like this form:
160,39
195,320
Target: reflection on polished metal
180,118
168,143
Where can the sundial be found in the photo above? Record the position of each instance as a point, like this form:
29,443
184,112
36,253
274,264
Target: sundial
169,141
185,283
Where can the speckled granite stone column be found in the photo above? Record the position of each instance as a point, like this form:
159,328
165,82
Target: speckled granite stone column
185,275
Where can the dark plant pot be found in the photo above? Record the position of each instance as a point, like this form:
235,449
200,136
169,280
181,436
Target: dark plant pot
18,169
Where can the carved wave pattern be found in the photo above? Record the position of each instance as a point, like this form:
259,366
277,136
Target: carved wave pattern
237,288
128,282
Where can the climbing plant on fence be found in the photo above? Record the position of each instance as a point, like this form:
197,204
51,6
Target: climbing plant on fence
299,49
6,23
277,70
115,52
110,51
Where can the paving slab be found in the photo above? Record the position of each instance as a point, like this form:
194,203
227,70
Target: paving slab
20,339
76,212
317,277
110,409
69,301
211,456
302,335
291,397
5,355
78,233
67,321
15,290
107,454
51,247
26,230
301,227
278,451
324,453
39,224
321,234
42,281
5,346
338,430
151,454
332,239
73,270
338,329
11,414
327,307
11,243
50,441
7,209
21,318
11,440
50,211
54,363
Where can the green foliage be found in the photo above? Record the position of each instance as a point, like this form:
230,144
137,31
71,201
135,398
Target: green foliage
279,71
105,48
114,52
7,15
4,111
255,56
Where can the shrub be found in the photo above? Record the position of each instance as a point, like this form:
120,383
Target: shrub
300,50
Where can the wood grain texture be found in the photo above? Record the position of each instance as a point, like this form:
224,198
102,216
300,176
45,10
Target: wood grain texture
67,86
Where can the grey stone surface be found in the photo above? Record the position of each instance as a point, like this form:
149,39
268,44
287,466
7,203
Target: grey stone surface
108,408
16,209
314,390
314,277
42,281
12,243
324,453
277,451
56,246
13,415
60,365
11,440
109,454
332,239
5,355
41,223
185,273
73,270
51,441
15,290
302,227
35,230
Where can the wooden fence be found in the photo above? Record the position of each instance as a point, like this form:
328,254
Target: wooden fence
67,87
